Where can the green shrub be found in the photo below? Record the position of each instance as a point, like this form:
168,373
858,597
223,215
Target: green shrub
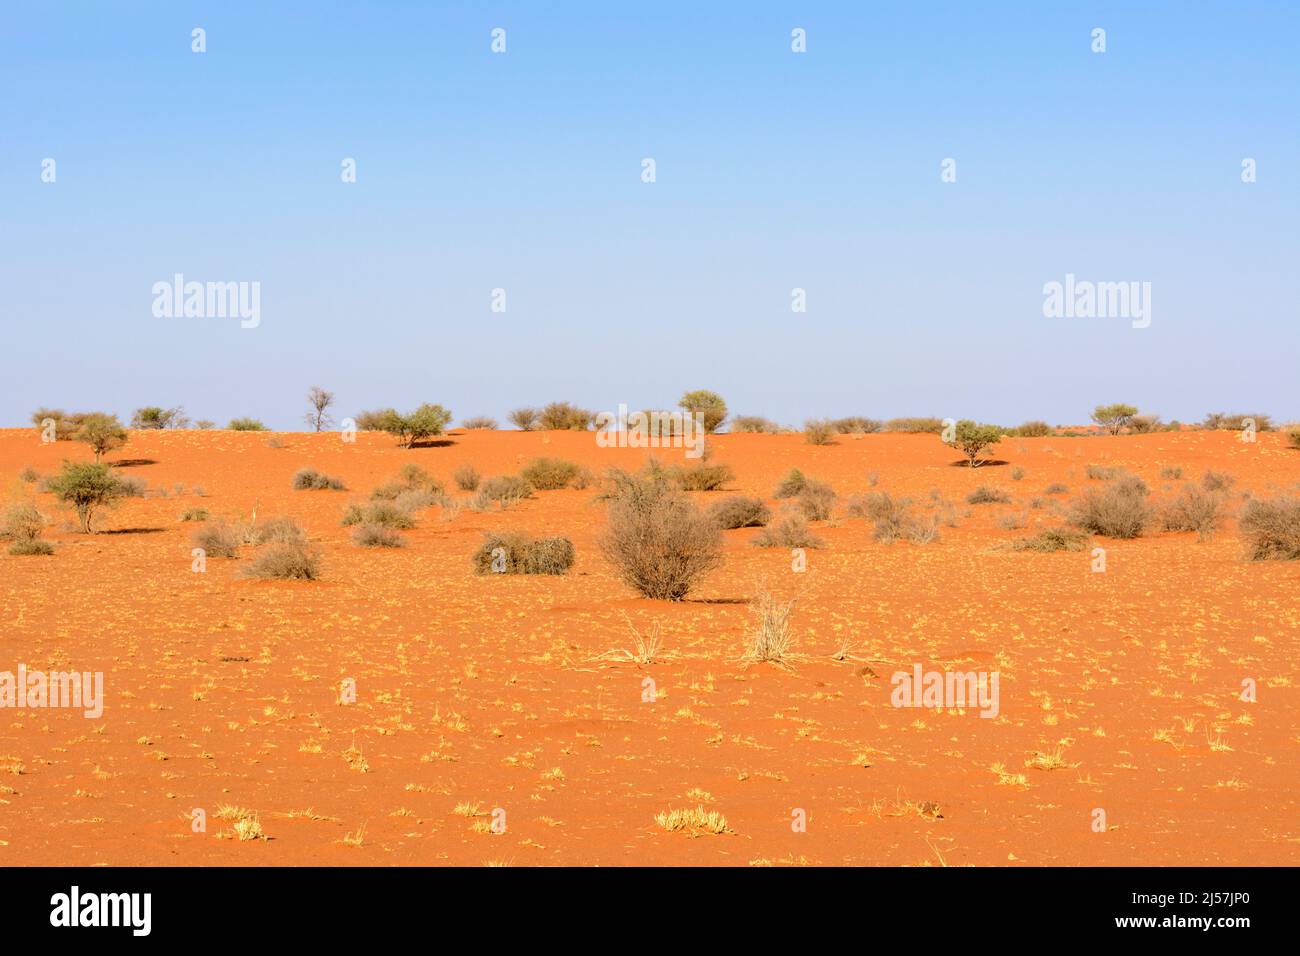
709,405
1117,510
103,433
1220,421
971,438
246,425
88,488
1114,418
1271,529
427,421
738,511
512,553
153,417
308,479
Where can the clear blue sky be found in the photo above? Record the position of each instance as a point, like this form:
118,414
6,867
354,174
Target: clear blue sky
775,170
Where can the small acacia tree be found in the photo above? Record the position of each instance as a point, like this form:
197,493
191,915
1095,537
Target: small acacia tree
971,438
425,422
102,433
320,400
1115,417
88,488
708,404
153,417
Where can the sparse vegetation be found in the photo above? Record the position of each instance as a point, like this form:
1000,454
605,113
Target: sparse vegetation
318,418
984,495
103,433
1219,421
738,511
709,405
857,425
480,423
153,417
425,422
89,488
1052,539
308,479
194,514
1217,481
1117,510
790,485
1193,510
525,419
246,425
754,424
1271,529
771,638
791,531
219,540
819,431
915,425
971,438
550,474
1114,418
22,527
285,562
466,477
564,416
816,500
513,553
377,536
1033,429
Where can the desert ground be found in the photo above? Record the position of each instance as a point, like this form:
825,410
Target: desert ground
1120,690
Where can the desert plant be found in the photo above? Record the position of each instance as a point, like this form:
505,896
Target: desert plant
754,424
246,425
23,521
374,420
101,432
1052,539
479,423
383,513
550,474
738,511
708,405
1217,481
791,531
790,486
857,425
701,477
219,540
1171,472
276,531
426,421
1102,472
772,638
1115,417
1144,424
819,431
377,536
57,423
285,562
971,438
1271,529
153,417
308,479
1033,429
1056,488
29,475
194,514
87,487
1238,422
891,517
466,477
984,495
525,419
657,540
30,546
1293,435
320,401
1193,510
1119,509
564,416
505,488
203,424
512,553
915,425
1017,473
816,500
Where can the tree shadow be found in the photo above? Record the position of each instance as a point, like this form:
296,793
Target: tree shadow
716,601
131,463
433,443
134,531
984,463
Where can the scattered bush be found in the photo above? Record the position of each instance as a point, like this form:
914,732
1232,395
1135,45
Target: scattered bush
23,522
1033,429
374,421
790,485
377,536
984,495
1102,473
1271,529
1056,488
245,425
857,425
816,500
550,474
819,431
915,425
194,514
525,419
219,540
1218,420
738,511
1144,424
426,421
308,479
1217,481
563,416
277,531
203,424
1115,417
1293,436
1117,510
512,553
971,438
753,424
62,425
30,546
285,562
505,489
701,477
466,477
88,488
153,417
892,517
29,475
1171,472
709,405
1193,510
659,542
480,423
1052,539
790,532
102,433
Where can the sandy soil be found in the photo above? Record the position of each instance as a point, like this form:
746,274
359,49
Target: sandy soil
492,692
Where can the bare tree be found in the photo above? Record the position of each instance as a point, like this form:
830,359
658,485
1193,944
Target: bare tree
320,401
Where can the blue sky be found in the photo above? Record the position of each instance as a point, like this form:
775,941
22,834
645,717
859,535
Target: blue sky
775,170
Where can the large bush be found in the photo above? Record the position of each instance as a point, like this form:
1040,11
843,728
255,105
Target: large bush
709,405
101,432
89,488
426,421
971,438
659,542
563,416
154,417
1271,529
1119,509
